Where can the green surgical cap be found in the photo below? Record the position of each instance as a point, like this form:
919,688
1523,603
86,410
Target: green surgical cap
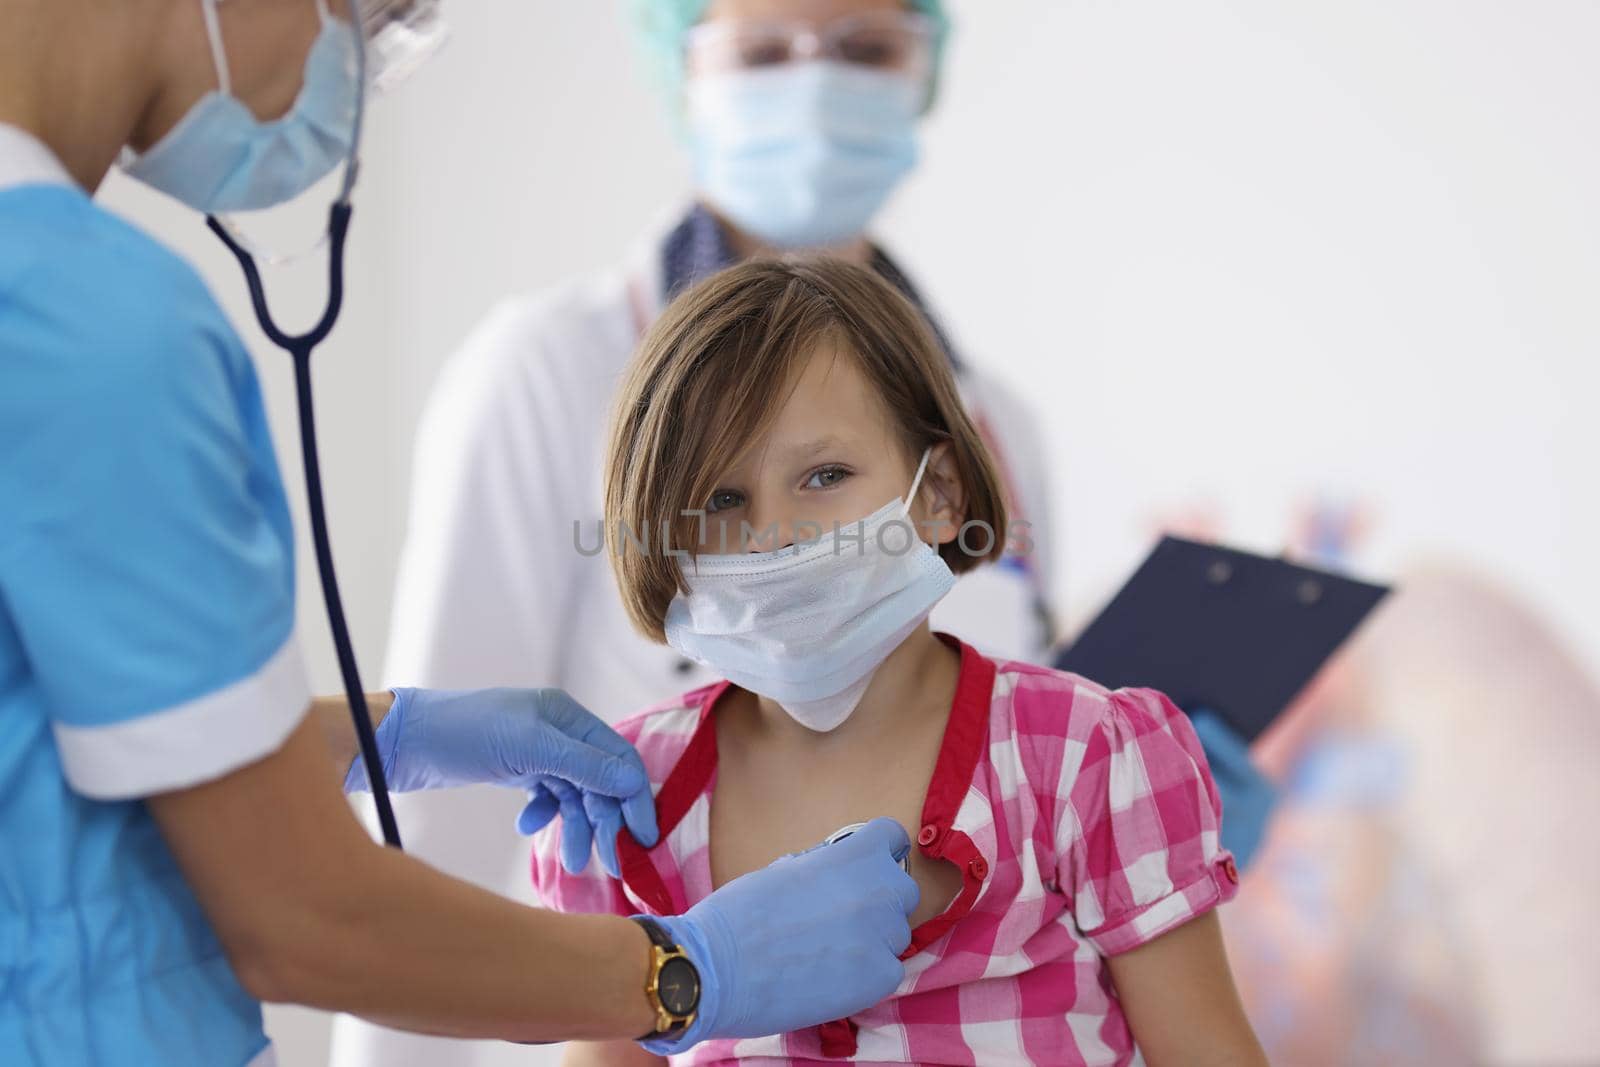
662,24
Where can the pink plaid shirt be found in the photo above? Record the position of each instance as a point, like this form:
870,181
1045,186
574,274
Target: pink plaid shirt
1084,822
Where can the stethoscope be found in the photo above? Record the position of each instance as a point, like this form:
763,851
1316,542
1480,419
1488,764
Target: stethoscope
902,858
300,347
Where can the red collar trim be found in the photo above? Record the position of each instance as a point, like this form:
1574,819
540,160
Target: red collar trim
684,785
965,734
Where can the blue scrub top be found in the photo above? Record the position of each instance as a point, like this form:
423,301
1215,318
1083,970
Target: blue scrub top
146,629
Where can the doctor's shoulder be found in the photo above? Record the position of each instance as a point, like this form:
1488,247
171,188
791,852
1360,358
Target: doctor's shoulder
557,347
1012,425
1003,411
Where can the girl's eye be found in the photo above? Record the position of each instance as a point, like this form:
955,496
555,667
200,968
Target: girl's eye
826,478
723,499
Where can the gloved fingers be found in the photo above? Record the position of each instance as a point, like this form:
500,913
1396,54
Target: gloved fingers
882,842
1248,796
910,892
559,709
881,834
901,900
580,724
577,836
596,770
894,972
605,815
906,891
621,773
1248,800
907,895
542,806
639,813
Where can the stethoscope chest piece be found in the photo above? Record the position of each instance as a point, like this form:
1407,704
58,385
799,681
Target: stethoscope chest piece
845,831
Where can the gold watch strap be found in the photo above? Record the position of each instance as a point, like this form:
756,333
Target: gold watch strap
662,950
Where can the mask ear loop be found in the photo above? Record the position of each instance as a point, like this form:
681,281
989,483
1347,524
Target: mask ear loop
219,55
916,483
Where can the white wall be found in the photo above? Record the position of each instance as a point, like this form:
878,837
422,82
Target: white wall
1240,250
1256,248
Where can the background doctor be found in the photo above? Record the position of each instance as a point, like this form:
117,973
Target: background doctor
176,847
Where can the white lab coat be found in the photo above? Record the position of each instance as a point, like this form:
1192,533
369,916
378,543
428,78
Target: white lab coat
493,590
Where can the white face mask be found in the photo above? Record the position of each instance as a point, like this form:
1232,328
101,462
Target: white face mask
807,625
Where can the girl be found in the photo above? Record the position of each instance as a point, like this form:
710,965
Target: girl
792,485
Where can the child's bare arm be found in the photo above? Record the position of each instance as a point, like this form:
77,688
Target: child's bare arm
608,1054
1181,1003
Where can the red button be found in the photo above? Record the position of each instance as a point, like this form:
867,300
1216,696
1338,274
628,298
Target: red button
1230,870
839,1038
979,868
929,834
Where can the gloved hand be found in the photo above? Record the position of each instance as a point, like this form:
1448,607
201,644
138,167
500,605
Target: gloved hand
538,739
812,938
1248,797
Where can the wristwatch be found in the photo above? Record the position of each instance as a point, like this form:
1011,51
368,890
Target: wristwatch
673,985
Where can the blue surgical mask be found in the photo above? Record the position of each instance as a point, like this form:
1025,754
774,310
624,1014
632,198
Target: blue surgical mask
802,155
221,158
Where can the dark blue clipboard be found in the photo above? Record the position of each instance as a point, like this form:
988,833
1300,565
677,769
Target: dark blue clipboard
1215,627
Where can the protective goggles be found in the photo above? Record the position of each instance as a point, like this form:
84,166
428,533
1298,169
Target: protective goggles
892,41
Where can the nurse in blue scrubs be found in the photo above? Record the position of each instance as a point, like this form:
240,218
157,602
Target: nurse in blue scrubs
174,843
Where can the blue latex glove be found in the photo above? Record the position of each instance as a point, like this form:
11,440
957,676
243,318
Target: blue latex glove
812,938
540,740
1248,797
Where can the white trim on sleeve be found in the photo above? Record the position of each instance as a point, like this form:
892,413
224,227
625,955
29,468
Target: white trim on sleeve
25,160
192,742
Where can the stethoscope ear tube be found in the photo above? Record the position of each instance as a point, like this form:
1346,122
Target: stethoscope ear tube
300,348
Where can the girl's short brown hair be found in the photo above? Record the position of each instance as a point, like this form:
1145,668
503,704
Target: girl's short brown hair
711,375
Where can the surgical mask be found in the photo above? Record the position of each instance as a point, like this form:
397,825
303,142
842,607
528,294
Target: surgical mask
808,625
802,154
221,158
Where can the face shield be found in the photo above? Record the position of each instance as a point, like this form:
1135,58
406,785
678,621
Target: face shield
400,36
888,42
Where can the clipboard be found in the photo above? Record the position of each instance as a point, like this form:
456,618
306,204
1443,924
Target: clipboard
1223,629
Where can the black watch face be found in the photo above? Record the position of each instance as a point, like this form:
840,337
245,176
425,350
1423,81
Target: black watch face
678,986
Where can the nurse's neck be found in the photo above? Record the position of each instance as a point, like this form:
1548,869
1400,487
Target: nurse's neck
745,246
72,74
87,77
